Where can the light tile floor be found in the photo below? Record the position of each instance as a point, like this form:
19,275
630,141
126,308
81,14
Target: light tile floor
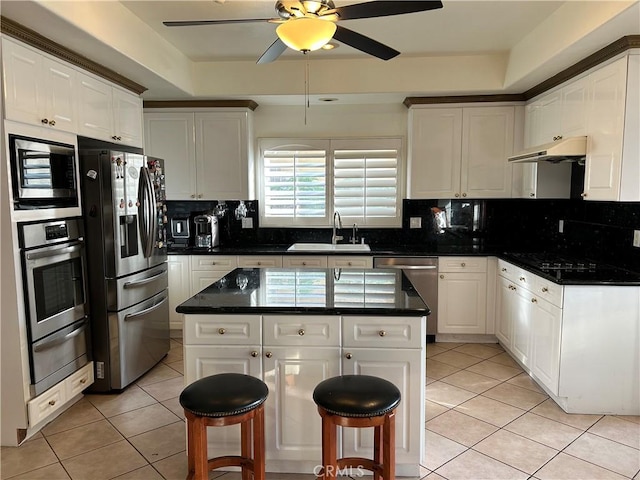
485,419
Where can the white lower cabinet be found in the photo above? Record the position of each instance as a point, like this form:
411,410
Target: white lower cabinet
343,261
293,354
300,261
179,279
462,295
207,269
257,261
571,339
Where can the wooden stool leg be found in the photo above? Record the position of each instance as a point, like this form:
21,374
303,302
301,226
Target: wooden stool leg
378,444
389,449
199,436
191,453
258,444
245,448
329,448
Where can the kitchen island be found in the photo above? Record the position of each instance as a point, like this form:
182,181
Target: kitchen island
294,328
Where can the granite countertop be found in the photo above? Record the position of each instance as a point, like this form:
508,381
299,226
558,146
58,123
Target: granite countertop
319,291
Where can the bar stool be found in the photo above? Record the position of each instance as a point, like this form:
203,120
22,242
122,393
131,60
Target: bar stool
358,401
217,401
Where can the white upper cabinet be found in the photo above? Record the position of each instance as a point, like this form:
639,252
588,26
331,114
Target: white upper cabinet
207,154
171,136
38,89
460,152
109,113
613,148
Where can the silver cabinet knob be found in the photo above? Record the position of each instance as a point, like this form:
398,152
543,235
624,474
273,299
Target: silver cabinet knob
382,333
301,332
522,279
52,123
463,264
545,289
222,331
457,195
532,195
441,276
268,354
348,356
534,300
254,354
464,194
503,269
44,121
52,402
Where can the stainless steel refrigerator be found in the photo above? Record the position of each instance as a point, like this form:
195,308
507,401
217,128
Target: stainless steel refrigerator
123,198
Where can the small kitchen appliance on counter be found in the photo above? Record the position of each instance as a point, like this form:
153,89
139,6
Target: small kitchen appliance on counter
207,231
180,232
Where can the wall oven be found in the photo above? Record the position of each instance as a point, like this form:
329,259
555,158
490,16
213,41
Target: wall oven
43,173
54,278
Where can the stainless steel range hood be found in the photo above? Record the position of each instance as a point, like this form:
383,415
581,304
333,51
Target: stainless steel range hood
570,149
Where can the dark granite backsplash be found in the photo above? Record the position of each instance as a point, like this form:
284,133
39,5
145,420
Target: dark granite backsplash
601,231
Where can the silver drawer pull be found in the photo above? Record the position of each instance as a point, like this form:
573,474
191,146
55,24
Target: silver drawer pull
52,402
382,333
222,331
545,289
503,269
348,356
534,300
522,279
301,332
463,264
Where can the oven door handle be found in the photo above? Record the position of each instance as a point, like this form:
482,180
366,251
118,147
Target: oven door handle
54,251
144,281
129,316
59,338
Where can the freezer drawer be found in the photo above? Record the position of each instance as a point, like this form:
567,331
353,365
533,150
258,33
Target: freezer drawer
138,339
132,289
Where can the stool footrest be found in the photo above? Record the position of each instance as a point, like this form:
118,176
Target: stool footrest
230,461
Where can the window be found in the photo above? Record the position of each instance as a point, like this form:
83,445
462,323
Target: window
303,182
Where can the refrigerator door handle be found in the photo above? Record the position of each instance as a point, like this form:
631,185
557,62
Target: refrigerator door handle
147,207
129,316
137,283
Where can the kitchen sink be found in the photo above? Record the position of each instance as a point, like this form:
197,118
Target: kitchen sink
329,247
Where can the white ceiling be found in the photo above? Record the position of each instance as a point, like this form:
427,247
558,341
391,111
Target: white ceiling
467,47
459,27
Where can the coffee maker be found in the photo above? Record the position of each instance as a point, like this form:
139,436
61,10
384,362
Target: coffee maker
207,232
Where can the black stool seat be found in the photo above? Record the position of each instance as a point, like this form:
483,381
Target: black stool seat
356,396
224,395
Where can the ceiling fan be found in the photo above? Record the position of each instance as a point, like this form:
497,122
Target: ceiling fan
307,25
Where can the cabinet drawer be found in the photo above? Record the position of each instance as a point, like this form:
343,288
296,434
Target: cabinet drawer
316,261
80,380
519,276
214,262
255,261
390,332
462,264
547,290
222,330
316,330
338,261
44,405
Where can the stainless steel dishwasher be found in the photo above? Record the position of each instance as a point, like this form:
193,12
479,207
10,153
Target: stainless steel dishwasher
423,273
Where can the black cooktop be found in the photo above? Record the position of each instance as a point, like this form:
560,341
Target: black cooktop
565,269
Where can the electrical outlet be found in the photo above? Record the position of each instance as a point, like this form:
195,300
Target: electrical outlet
415,222
636,238
561,226
247,222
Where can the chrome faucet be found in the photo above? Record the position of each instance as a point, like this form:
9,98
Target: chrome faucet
354,233
334,237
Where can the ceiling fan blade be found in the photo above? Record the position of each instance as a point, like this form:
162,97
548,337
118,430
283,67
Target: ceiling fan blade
383,8
364,44
276,49
192,23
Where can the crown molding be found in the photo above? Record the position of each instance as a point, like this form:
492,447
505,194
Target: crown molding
250,104
411,101
30,37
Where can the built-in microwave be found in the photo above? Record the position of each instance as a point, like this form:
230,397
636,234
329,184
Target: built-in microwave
43,173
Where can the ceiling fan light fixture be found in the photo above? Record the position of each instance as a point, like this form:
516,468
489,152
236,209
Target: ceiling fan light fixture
306,34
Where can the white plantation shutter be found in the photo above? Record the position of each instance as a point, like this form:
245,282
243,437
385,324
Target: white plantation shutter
366,185
304,182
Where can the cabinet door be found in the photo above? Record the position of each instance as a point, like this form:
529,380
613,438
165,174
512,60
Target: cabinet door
575,97
127,118
487,141
222,155
171,136
546,118
606,123
61,101
179,275
292,425
521,326
201,279
95,118
505,310
546,325
405,369
202,361
24,94
462,303
435,153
